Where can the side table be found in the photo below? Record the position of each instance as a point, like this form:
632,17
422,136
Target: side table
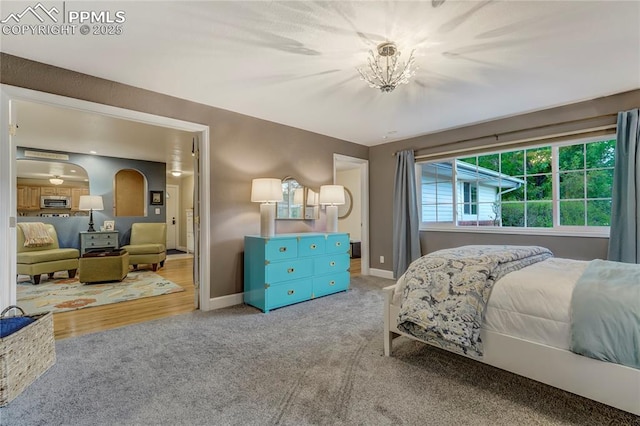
98,240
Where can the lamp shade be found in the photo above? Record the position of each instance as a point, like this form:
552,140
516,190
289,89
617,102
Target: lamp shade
91,202
332,194
266,190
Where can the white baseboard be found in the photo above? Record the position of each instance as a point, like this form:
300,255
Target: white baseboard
382,273
225,301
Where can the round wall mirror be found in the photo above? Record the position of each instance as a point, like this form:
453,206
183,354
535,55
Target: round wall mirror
345,209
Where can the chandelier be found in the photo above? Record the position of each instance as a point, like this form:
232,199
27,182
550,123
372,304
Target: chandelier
384,71
56,180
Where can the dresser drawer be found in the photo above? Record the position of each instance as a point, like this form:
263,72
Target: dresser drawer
338,243
328,284
311,246
331,263
281,248
100,238
287,270
288,292
105,243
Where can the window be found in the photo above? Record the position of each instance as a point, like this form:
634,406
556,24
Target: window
470,198
543,187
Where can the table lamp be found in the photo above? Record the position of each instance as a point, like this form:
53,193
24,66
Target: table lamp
91,203
267,191
332,196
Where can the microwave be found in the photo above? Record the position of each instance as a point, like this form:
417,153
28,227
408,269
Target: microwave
55,202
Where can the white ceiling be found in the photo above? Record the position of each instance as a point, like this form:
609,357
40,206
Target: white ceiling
69,130
295,62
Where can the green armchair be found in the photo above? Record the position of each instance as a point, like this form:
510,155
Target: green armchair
46,259
147,244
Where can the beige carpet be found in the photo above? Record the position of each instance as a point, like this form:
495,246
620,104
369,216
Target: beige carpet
66,294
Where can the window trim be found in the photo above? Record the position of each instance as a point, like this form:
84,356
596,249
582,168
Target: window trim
568,231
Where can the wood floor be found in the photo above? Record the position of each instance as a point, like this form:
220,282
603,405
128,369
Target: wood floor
178,270
89,320
355,267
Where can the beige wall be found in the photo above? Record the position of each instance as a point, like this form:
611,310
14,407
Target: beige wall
242,148
382,165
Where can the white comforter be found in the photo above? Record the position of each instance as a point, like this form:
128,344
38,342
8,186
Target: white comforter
532,303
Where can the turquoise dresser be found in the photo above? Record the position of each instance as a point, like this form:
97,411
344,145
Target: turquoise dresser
291,268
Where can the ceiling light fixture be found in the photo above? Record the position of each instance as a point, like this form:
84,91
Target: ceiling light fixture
384,71
55,180
176,173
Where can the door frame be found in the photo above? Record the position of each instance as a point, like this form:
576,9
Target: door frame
363,165
8,180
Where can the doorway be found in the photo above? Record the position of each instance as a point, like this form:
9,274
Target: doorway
353,174
8,128
173,216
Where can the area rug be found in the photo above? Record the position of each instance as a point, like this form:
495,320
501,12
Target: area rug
67,294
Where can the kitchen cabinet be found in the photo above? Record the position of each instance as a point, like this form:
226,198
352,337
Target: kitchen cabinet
55,190
28,198
75,197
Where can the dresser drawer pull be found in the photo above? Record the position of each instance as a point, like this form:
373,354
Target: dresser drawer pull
338,243
290,292
290,270
332,263
332,282
313,246
283,249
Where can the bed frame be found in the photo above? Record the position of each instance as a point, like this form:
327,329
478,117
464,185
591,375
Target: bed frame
612,384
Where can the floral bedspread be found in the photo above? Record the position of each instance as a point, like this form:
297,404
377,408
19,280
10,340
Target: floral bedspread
446,292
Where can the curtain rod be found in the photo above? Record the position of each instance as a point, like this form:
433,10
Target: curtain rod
497,136
521,141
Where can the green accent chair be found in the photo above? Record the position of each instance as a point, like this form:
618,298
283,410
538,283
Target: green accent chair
147,244
35,261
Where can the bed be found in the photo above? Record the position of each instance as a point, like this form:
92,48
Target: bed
525,327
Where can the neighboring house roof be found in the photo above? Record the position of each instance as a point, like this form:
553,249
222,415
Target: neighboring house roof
470,172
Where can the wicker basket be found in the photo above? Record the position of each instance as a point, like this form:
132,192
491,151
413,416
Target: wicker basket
25,355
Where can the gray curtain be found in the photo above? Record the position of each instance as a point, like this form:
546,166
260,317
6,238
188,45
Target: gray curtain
406,222
624,240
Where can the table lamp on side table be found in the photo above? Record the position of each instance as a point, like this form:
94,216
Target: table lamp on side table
91,203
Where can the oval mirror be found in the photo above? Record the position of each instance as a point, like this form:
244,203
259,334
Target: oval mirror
344,210
292,205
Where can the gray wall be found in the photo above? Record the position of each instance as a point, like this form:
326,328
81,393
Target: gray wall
580,248
242,148
101,172
382,164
